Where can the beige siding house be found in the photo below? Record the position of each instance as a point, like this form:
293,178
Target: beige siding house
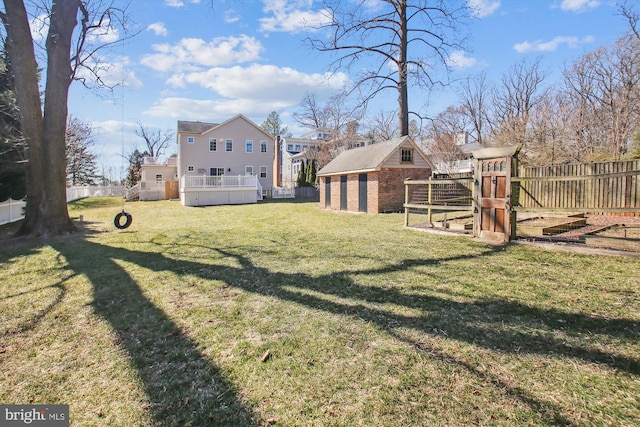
371,178
224,163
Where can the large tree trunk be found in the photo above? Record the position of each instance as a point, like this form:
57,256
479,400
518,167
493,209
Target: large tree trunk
46,212
403,96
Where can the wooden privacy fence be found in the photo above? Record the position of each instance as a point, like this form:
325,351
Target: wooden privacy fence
611,187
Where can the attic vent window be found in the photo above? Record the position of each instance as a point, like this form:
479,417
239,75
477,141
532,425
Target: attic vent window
406,156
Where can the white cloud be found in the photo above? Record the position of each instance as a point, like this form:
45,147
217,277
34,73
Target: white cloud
39,27
179,3
158,28
484,8
292,16
265,82
111,73
230,16
458,59
193,54
253,91
552,45
579,5
103,34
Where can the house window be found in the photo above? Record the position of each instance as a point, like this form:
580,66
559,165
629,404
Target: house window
191,168
213,144
263,171
263,146
228,145
289,147
216,171
191,140
158,177
406,155
298,148
248,170
249,146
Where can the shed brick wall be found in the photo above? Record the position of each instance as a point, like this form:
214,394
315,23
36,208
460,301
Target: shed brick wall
385,189
391,187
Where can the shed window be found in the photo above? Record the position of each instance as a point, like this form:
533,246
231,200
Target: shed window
406,155
158,177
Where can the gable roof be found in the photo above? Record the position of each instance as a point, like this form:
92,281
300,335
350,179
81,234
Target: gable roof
185,126
365,159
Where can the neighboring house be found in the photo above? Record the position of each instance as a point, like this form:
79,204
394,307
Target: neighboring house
158,181
290,154
460,159
371,178
224,163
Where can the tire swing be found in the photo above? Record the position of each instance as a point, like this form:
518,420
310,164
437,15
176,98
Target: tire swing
118,220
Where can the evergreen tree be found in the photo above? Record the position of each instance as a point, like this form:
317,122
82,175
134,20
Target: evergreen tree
12,147
273,126
134,173
300,181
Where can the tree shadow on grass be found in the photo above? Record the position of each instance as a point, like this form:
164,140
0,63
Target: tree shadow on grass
480,323
182,386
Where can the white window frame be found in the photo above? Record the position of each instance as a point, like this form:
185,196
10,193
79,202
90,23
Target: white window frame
213,147
159,175
263,146
191,140
263,172
228,143
248,146
248,170
409,152
217,171
191,168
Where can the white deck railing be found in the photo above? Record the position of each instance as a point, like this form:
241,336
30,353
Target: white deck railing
206,181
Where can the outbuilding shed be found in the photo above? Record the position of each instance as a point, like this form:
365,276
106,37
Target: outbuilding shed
371,178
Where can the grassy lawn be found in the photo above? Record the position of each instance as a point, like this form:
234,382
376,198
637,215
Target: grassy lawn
281,313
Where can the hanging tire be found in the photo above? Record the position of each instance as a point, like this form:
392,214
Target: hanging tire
118,220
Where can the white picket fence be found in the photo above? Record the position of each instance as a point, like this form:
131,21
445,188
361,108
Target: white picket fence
79,192
11,210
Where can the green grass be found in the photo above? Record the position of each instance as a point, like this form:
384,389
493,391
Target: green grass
365,323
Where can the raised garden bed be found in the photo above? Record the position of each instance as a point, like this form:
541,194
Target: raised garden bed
550,225
617,236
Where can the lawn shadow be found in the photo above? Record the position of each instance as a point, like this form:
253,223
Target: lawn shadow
480,323
183,387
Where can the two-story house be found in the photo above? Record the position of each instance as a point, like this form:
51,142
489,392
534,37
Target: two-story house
224,163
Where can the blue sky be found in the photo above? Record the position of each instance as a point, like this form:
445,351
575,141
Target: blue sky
192,61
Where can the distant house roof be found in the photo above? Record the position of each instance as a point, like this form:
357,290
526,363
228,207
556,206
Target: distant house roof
194,127
365,159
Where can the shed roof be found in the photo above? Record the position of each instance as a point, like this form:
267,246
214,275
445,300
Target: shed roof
365,159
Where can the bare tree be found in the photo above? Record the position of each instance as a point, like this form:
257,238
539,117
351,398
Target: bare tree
514,100
334,115
383,126
44,121
406,39
156,142
604,88
628,11
474,97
